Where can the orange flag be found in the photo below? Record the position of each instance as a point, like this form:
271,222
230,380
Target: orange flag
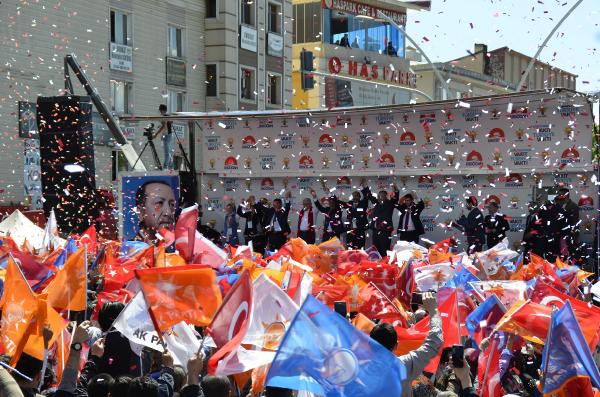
18,305
68,289
363,323
183,293
44,315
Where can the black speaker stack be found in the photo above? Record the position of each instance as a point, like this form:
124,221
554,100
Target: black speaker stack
67,161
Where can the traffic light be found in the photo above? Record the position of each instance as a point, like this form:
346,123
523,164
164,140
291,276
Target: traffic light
306,68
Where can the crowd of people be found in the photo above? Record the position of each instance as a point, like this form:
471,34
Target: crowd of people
551,227
409,320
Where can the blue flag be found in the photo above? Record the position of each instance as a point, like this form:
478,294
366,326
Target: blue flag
71,246
461,279
323,353
481,322
566,353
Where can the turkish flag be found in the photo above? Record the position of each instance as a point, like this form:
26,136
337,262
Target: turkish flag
184,293
185,232
231,321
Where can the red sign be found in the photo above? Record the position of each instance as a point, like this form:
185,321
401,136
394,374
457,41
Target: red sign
306,162
356,8
496,135
407,138
372,72
231,163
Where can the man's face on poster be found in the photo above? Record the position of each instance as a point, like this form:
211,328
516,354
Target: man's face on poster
158,208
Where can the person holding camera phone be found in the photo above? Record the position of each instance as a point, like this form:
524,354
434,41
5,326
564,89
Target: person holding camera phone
415,361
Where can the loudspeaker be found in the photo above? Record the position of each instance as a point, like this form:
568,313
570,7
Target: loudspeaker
188,188
67,161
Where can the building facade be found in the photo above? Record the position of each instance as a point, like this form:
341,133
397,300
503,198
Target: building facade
190,55
359,56
489,73
248,54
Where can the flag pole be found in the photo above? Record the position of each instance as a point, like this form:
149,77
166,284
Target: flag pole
487,365
85,261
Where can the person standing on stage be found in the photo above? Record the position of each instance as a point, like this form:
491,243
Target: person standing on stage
275,222
495,225
333,226
410,226
472,226
230,226
252,212
357,221
381,216
166,129
306,222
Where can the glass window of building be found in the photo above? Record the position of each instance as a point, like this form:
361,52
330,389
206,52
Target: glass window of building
274,89
274,17
248,82
121,98
120,28
175,101
211,8
247,12
175,42
363,33
211,80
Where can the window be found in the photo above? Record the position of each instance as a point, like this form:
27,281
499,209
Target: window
247,12
211,80
274,89
120,28
211,8
347,30
175,101
175,44
248,80
121,97
274,18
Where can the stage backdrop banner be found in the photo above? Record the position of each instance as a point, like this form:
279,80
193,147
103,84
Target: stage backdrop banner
503,148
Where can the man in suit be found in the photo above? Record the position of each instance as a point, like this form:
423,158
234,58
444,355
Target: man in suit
252,212
275,223
333,225
495,225
533,233
570,212
357,221
381,216
553,224
410,226
472,226
306,222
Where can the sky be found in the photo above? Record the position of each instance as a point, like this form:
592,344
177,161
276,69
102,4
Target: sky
452,27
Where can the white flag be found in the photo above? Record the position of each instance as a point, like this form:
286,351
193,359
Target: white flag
135,324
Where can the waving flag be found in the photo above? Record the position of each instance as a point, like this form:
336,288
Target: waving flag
18,304
433,277
566,354
488,370
341,361
461,279
135,324
68,290
231,322
492,259
483,319
89,239
507,291
406,284
375,305
175,294
185,232
50,240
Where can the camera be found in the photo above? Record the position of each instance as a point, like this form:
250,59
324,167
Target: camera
148,131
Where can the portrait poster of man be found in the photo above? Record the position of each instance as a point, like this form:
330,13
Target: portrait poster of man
149,202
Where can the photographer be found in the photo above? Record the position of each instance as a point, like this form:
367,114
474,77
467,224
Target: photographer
166,129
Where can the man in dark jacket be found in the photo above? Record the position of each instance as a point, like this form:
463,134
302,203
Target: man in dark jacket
495,225
252,212
333,225
570,212
410,226
381,216
357,221
472,226
275,223
533,234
